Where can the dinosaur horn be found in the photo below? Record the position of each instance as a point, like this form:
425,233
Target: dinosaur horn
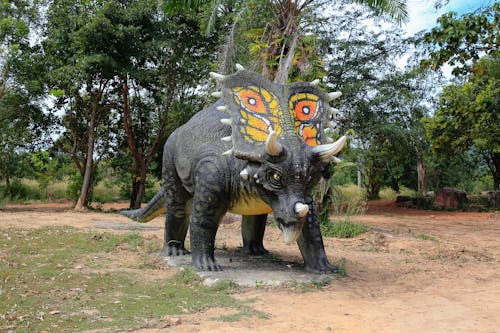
273,147
328,150
301,209
334,95
218,77
315,82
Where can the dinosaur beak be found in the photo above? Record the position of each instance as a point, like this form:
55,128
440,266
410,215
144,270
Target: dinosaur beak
291,232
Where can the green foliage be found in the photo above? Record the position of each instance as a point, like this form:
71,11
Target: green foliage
460,41
469,114
19,191
64,278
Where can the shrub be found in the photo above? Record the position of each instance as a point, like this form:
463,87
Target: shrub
348,200
105,192
387,193
21,190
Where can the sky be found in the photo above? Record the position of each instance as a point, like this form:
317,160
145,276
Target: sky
423,15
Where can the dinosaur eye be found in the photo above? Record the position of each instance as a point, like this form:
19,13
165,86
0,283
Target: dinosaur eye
275,179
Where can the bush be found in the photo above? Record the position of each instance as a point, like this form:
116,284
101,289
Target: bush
105,192
57,190
387,193
21,190
348,200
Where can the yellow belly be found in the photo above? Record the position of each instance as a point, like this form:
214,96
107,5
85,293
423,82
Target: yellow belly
250,206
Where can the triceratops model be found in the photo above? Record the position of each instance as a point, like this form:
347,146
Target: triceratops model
259,149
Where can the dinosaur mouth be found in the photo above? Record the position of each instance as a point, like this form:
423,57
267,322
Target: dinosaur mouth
290,230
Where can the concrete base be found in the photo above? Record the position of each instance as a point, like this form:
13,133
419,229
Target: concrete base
251,271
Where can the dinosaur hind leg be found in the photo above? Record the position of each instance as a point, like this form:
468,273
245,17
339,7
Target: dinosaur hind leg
252,231
177,217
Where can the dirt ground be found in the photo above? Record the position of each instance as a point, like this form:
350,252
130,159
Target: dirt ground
413,271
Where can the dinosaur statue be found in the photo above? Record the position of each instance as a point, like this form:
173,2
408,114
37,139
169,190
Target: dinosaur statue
259,149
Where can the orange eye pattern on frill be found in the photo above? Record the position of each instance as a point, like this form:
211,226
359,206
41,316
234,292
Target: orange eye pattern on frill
305,108
260,113
310,135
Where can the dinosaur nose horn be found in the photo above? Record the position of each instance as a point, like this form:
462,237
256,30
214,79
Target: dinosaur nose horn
301,209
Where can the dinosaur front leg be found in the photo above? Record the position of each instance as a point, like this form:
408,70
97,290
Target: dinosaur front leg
252,231
312,248
209,205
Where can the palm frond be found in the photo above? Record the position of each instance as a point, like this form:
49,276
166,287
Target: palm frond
394,8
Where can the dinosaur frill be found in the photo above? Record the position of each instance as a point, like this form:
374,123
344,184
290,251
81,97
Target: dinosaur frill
266,117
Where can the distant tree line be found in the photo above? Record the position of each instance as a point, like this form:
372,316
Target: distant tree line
91,86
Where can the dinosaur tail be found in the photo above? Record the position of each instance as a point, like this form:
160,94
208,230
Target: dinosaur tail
154,208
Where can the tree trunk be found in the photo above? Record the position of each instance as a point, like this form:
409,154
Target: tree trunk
140,164
285,63
8,189
82,202
422,187
496,171
374,176
138,186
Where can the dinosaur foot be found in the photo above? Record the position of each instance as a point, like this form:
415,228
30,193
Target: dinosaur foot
255,249
173,248
321,266
205,262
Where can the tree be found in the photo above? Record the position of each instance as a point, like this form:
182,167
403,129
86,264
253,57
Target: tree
283,26
159,61
79,75
469,114
361,65
462,41
22,122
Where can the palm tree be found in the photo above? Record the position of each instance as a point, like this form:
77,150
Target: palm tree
286,24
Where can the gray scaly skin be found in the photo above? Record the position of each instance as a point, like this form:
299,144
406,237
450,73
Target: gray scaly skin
202,181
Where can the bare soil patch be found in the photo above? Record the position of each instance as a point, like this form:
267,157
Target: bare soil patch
413,271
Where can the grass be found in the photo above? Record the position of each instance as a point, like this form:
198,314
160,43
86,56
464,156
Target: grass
342,229
426,237
305,287
49,280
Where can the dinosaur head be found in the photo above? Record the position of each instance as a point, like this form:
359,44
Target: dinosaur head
279,130
285,182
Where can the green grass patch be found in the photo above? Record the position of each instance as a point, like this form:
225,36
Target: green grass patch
305,287
243,311
426,237
341,266
56,279
344,229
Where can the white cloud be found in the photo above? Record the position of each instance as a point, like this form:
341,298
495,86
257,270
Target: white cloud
423,15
